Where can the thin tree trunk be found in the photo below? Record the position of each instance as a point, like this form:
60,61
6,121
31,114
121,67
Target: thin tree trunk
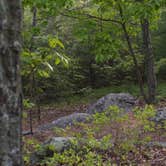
10,84
34,24
39,113
91,74
149,56
129,42
32,90
30,122
34,19
139,76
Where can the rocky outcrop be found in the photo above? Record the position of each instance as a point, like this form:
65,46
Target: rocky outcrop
59,143
122,100
72,119
55,144
69,120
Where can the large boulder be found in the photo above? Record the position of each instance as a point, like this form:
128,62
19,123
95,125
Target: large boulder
160,115
71,120
122,100
65,121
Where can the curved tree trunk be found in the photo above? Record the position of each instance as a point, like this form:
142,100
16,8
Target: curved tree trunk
10,89
132,53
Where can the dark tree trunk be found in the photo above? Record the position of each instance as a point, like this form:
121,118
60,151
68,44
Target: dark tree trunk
91,74
149,56
34,19
10,85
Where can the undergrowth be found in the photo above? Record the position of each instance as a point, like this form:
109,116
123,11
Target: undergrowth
112,137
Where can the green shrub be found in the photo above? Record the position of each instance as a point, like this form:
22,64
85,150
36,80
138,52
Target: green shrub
161,68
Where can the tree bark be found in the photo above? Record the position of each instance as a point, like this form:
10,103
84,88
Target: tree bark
10,84
149,56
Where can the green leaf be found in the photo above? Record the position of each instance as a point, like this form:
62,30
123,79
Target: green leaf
53,42
57,61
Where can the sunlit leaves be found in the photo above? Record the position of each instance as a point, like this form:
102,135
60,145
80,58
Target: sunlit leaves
54,42
49,7
61,58
28,104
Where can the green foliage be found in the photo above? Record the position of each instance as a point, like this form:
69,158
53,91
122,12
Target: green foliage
99,54
106,47
28,104
49,7
29,144
161,68
91,33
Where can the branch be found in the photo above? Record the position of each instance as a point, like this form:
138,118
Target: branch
93,17
103,19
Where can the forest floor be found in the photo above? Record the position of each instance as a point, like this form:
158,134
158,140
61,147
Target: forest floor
49,114
156,156
78,104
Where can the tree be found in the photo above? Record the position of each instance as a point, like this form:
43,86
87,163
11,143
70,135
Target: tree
10,85
133,21
148,51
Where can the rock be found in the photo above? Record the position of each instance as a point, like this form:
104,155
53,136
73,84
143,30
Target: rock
122,100
69,120
45,127
57,144
160,115
158,144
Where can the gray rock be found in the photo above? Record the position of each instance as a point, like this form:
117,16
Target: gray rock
158,144
160,115
122,100
65,121
57,144
71,120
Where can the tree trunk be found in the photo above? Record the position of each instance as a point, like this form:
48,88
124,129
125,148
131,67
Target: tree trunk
10,85
149,56
132,53
33,87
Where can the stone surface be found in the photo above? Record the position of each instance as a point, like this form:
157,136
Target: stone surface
160,115
58,144
159,144
122,100
71,120
65,121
